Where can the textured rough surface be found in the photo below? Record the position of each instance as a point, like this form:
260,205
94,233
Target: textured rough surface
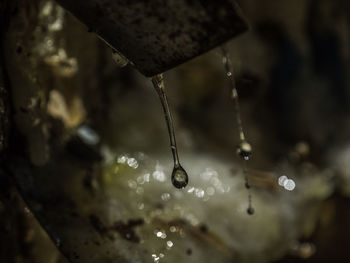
90,154
158,35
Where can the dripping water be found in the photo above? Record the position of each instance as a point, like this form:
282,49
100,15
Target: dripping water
179,177
244,149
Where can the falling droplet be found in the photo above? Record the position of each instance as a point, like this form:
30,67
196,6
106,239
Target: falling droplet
250,210
244,150
179,177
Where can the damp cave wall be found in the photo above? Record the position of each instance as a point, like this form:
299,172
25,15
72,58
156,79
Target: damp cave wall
29,124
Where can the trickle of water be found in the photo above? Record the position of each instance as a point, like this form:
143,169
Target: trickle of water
179,177
229,73
244,149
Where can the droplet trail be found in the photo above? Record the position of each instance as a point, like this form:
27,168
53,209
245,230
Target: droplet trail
179,177
244,149
234,94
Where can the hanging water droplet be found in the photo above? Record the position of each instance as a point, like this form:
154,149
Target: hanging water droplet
250,210
179,177
244,150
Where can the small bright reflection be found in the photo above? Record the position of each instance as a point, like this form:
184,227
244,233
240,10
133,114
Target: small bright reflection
169,243
289,185
161,234
165,196
281,180
88,135
286,183
158,174
132,162
155,258
122,159
190,190
199,192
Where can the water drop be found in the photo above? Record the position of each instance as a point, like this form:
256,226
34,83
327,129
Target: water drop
250,210
179,177
244,150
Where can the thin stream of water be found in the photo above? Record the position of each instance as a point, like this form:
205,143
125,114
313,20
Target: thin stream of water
244,149
179,177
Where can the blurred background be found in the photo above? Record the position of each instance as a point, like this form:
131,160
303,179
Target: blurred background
86,144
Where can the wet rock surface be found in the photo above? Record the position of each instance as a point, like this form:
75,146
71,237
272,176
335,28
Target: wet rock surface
89,152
